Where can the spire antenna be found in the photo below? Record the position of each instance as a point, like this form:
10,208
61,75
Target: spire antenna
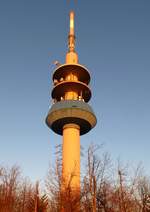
71,36
71,23
71,56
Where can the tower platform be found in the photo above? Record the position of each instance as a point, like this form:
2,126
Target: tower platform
71,111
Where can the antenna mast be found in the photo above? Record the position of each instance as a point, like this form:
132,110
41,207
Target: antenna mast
71,36
71,56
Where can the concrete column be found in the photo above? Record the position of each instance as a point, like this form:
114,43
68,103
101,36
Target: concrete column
71,95
71,156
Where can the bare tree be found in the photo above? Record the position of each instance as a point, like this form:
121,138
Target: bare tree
104,188
8,188
37,202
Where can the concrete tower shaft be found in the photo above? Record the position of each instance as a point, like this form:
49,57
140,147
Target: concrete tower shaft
71,115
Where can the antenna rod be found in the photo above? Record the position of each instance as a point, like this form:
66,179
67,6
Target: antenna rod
71,23
71,37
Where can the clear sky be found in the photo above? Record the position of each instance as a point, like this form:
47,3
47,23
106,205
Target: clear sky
113,42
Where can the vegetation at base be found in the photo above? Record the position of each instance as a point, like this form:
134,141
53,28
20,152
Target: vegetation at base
104,188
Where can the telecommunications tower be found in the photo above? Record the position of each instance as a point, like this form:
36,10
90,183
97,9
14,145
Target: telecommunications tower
70,115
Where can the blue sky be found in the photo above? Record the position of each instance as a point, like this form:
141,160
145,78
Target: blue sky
112,41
